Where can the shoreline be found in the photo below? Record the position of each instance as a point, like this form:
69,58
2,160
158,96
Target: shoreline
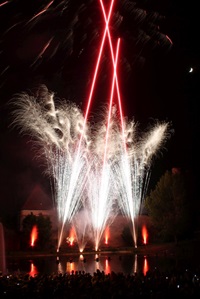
182,248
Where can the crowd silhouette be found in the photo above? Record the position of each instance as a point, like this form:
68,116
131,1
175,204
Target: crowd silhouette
156,284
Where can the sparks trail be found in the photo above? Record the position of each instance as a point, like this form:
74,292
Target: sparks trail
4,3
72,26
42,52
42,11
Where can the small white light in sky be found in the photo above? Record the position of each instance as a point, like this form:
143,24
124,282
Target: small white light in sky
191,70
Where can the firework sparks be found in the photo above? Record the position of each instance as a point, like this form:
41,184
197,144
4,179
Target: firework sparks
57,132
132,169
84,180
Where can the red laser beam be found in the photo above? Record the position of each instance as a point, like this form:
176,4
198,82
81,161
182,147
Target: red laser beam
115,73
95,76
111,100
97,66
106,32
114,82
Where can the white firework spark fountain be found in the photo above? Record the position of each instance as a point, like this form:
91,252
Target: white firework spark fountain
83,180
101,201
58,132
131,169
82,227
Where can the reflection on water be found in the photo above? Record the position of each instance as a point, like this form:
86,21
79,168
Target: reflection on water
33,269
125,263
145,267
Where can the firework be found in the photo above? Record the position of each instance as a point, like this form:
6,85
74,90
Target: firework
82,182
57,132
91,168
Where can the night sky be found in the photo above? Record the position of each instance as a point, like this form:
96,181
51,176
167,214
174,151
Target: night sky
56,43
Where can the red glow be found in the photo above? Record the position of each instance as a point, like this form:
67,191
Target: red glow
71,237
144,234
145,267
107,234
33,270
107,267
70,267
34,235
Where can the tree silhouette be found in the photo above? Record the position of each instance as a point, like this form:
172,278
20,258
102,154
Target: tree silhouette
169,207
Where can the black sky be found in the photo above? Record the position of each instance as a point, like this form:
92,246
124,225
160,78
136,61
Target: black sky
154,77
